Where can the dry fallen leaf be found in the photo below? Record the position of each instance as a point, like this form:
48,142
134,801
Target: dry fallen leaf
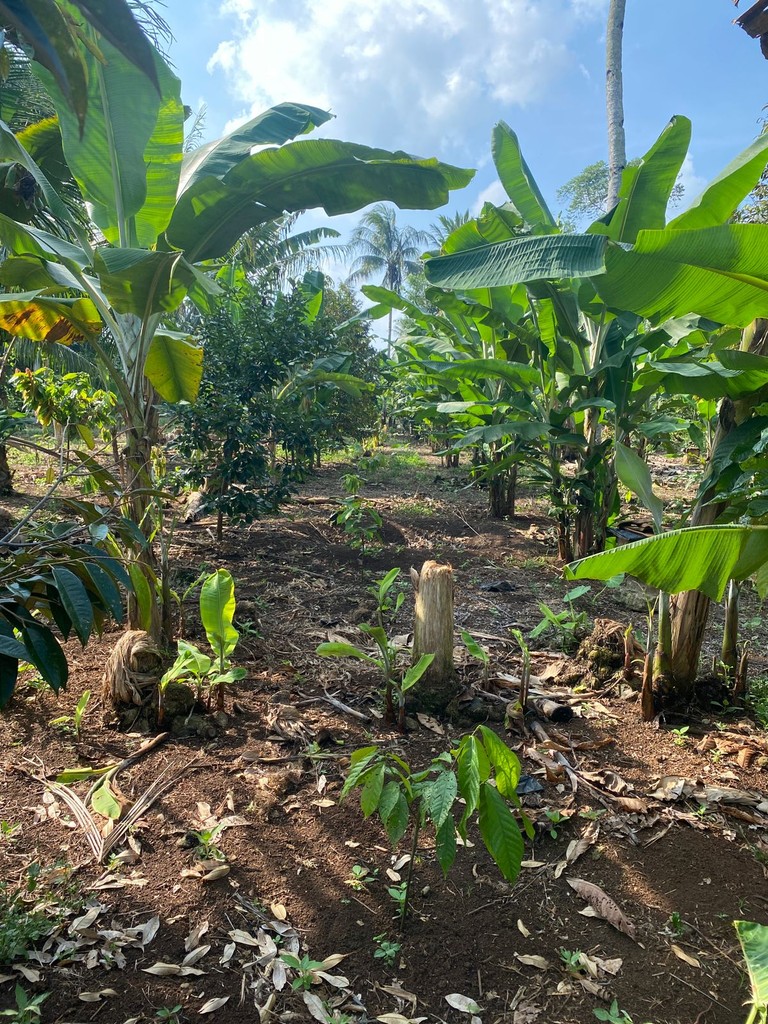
530,960
162,970
96,997
315,1006
682,955
522,929
213,1004
278,911
604,905
243,938
193,939
217,872
464,1003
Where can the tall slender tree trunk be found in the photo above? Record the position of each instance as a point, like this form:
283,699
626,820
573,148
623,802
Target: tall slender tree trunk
614,96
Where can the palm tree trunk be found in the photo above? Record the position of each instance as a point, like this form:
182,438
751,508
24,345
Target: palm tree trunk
614,96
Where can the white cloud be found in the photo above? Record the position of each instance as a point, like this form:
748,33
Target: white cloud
494,193
692,182
421,75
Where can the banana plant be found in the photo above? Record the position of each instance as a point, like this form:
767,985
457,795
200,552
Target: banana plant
159,216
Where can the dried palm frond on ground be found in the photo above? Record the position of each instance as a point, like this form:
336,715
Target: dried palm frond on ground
132,670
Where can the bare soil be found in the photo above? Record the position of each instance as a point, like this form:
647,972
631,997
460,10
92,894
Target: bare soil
680,870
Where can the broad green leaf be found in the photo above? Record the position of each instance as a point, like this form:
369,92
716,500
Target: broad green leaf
518,182
45,653
701,558
25,239
647,186
12,151
500,831
174,366
415,672
468,762
217,611
77,604
273,127
361,762
754,944
10,647
32,273
445,844
114,20
387,800
128,157
371,791
141,282
520,260
504,761
142,594
106,589
70,775
734,375
474,647
633,472
104,801
718,272
43,318
385,584
516,374
440,798
340,177
397,820
337,649
720,199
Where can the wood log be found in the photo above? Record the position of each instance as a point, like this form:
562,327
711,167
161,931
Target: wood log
433,634
552,710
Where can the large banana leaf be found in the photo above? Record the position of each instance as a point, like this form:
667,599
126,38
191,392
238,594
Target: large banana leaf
518,261
142,282
217,612
174,366
721,197
647,186
128,157
701,558
719,272
341,177
754,944
273,127
24,239
31,273
43,318
734,375
518,182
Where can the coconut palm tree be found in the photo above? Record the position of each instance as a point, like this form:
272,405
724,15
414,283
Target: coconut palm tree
380,247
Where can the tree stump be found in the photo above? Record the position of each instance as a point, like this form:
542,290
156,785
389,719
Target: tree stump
433,634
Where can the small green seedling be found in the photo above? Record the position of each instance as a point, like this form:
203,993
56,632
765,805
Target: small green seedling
555,818
359,519
169,1014
76,718
8,830
568,624
397,679
676,925
26,1011
386,950
572,960
217,612
361,877
680,735
399,895
311,972
460,778
477,652
206,847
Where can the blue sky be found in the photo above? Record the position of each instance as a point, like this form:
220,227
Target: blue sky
433,76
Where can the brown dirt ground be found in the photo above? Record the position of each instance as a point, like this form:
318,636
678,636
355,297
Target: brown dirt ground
297,579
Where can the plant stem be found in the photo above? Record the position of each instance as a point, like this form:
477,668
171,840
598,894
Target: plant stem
414,849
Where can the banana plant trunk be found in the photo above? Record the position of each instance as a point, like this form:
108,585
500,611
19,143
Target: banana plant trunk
690,610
